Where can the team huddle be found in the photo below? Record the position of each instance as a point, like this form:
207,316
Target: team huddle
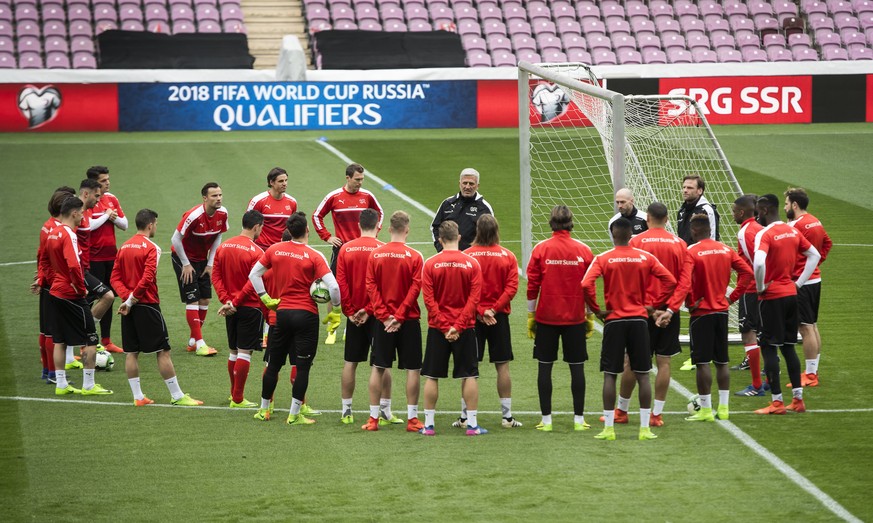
270,283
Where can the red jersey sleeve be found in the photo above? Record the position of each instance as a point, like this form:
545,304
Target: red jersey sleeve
373,291
668,282
589,284
342,275
77,274
218,277
745,277
117,280
149,274
321,211
510,288
467,318
534,275
683,284
434,315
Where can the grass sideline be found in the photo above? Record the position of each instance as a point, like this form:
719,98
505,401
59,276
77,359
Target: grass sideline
213,464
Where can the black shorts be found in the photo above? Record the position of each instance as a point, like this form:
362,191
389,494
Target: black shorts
664,341
45,313
200,288
296,333
626,335
245,329
709,338
778,321
102,270
72,322
463,352
96,288
749,315
334,254
498,337
808,299
271,342
403,345
359,340
144,329
572,342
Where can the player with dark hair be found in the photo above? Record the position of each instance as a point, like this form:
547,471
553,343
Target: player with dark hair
393,286
463,208
143,329
344,205
694,202
295,266
556,312
624,202
710,263
105,217
351,276
42,283
195,241
275,205
748,314
71,320
499,286
240,305
452,285
777,247
626,274
808,295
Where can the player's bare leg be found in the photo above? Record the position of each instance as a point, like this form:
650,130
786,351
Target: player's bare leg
375,385
386,416
347,390
101,305
431,395
662,384
471,397
59,353
504,393
413,389
628,383
811,352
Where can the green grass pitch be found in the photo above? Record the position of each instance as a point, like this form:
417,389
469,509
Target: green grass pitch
103,460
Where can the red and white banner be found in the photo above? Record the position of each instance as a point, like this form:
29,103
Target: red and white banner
58,107
870,97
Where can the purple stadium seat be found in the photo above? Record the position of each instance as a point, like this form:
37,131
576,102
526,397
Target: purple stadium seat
81,28
800,39
490,11
818,21
691,23
79,13
155,13
679,56
554,56
547,41
714,24
439,11
57,61
514,12
54,12
465,13
492,27
25,12
759,7
698,41
178,28
685,8
733,7
785,8
130,13
629,56
579,55
208,27
469,27
6,29
766,24
587,9
704,56
7,45
611,10
824,37
7,61
851,37
207,2
29,61
751,54
187,3
590,27
207,13
664,24
369,25
723,40
84,61
804,54
603,57
598,42
860,53
741,23
524,43
642,25
673,41
503,59
636,8
624,41
660,8
6,13
748,40
415,11
478,59
234,26
654,56
726,55
844,21
863,6
866,20
528,55
56,44
54,28
27,28
617,26
566,26
710,7
563,11
132,25
649,41
420,25
541,26
518,27
833,53
840,6
498,43
105,13
538,10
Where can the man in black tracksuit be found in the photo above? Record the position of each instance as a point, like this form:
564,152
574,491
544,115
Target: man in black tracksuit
695,203
463,208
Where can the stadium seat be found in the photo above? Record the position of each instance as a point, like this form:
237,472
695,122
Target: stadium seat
498,43
676,55
654,56
529,56
57,61
579,55
604,57
503,59
779,54
726,55
704,56
649,41
7,61
524,43
685,8
751,54
804,54
629,56
29,44
478,59
860,53
30,61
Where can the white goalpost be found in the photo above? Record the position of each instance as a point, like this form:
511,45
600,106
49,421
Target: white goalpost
579,143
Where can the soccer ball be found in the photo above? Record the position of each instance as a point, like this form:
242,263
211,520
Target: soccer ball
318,291
694,404
104,361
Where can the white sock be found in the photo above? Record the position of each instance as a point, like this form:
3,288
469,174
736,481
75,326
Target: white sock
609,417
191,341
70,358
623,404
231,357
135,388
173,386
347,406
295,406
199,343
797,393
579,419
751,347
472,422
463,408
659,407
245,357
644,417
547,419
374,411
817,361
61,377
411,411
506,407
705,401
811,366
385,407
723,397
429,415
88,379
775,397
265,403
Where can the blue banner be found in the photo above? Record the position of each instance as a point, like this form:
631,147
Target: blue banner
300,106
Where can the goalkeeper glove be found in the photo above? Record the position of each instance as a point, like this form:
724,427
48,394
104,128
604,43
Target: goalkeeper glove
531,325
589,325
270,303
332,320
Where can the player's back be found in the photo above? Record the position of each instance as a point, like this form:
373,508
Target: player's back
132,263
749,229
235,259
812,229
668,248
499,273
295,266
62,251
557,266
452,278
782,245
626,272
392,270
710,276
351,273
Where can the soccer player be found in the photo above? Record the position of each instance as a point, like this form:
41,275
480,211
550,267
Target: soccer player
749,316
393,285
241,307
694,202
777,247
670,250
105,217
344,205
710,263
463,208
556,310
43,281
275,205
626,273
351,276
295,266
624,201
143,329
195,241
452,285
808,295
499,285
71,320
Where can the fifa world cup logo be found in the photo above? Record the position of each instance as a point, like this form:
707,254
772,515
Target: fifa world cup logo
39,105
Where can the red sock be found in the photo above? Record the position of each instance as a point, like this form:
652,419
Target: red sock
42,355
203,311
230,366
241,374
50,352
105,341
193,318
293,373
755,366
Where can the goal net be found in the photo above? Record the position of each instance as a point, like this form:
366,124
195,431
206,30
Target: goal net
579,143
